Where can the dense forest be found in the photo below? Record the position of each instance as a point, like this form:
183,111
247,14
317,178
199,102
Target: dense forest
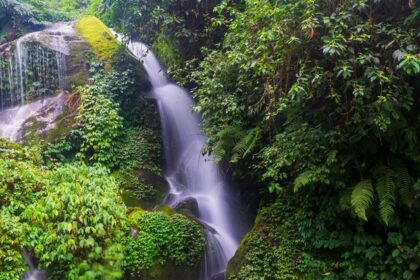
311,108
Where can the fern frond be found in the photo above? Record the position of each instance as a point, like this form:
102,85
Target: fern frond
227,139
404,182
362,198
302,180
246,144
385,187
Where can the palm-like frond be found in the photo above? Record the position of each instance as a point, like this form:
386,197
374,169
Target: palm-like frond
228,138
385,187
302,180
404,182
362,198
246,144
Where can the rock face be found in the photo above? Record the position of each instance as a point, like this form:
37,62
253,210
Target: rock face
148,191
41,116
35,72
188,206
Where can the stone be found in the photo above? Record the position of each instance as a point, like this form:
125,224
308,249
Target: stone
188,206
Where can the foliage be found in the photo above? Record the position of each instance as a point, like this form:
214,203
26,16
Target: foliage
331,88
271,249
79,225
20,16
11,260
175,29
72,217
141,149
128,179
336,78
160,238
99,127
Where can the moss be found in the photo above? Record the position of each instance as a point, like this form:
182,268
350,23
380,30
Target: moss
141,188
99,37
271,250
170,271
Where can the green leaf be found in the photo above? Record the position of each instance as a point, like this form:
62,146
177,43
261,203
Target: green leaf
362,198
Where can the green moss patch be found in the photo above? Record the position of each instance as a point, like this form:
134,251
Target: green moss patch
99,37
270,250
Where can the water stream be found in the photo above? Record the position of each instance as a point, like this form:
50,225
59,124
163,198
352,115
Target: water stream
190,174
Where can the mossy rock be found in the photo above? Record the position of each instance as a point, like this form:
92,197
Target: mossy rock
77,66
188,207
142,188
99,37
35,131
270,249
170,271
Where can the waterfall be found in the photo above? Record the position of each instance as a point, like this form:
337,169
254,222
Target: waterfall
33,66
32,71
190,174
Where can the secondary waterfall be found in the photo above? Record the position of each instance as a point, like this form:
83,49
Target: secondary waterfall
32,71
190,174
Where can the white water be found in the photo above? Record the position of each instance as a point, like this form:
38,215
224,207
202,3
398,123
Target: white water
45,110
188,172
33,273
43,65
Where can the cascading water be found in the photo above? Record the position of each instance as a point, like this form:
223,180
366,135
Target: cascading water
32,68
190,174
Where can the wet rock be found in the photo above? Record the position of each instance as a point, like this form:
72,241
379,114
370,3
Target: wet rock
33,121
149,191
219,276
187,206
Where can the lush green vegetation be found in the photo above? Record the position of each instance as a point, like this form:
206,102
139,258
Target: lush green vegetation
314,101
162,237
51,211
62,199
20,16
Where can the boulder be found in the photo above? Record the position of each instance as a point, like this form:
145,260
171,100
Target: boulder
187,206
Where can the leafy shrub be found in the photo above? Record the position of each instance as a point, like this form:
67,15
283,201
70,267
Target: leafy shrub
99,127
72,217
79,224
162,238
12,263
141,148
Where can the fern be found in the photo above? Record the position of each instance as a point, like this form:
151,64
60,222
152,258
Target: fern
403,183
246,144
228,138
362,198
303,180
385,187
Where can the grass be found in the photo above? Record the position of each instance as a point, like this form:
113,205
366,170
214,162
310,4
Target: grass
99,37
